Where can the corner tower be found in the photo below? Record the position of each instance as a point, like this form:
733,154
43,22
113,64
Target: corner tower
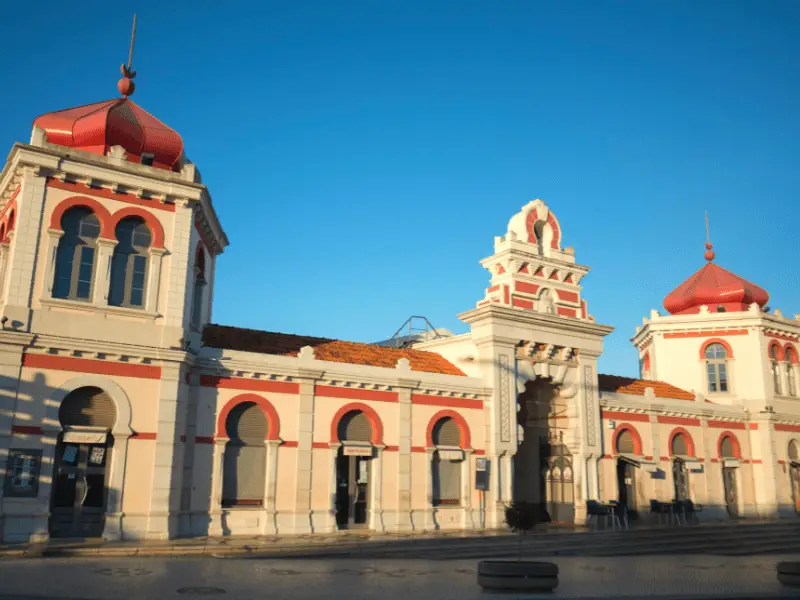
108,232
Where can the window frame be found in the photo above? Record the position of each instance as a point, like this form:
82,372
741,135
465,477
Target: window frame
775,368
436,490
790,375
75,242
11,491
131,251
717,367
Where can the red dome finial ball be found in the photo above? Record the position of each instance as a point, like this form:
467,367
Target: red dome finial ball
709,255
126,86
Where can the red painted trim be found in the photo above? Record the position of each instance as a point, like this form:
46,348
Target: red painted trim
646,361
567,312
27,429
583,309
500,269
695,334
81,188
524,269
142,435
273,421
204,439
678,421
568,278
754,426
707,343
614,415
778,353
687,435
330,391
551,220
637,439
505,295
482,302
666,458
374,419
526,288
460,421
554,276
607,456
288,444
539,272
714,460
756,461
737,449
427,400
781,336
251,385
479,452
103,216
784,427
726,425
494,288
152,222
392,448
781,462
14,194
85,365
648,458
320,445
791,351
420,449
522,303
568,296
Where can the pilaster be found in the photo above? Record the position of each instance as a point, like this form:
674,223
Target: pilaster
178,264
403,521
305,456
765,476
102,271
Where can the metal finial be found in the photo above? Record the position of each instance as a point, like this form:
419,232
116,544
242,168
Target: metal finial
126,85
709,255
708,235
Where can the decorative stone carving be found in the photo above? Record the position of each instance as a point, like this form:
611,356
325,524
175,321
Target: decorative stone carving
591,425
505,412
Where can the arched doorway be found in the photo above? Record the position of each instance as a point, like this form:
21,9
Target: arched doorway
244,469
446,463
353,470
727,451
794,473
543,473
82,466
626,472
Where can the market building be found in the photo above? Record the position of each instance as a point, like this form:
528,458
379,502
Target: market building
126,414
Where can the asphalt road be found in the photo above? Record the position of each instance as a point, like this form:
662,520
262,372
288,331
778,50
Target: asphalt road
354,579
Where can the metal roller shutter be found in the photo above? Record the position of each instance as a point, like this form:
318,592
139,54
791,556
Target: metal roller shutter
247,424
625,443
88,407
446,433
679,447
446,481
355,427
726,448
243,479
793,454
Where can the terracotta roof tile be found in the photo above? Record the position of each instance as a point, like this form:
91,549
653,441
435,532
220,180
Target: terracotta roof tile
356,353
628,385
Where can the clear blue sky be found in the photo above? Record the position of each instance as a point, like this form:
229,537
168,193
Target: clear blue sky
362,155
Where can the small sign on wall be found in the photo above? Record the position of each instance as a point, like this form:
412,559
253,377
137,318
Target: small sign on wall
358,451
84,437
482,474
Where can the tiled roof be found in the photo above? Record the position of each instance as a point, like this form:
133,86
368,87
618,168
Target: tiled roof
628,385
356,353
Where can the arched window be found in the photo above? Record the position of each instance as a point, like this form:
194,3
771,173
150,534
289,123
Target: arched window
776,369
245,456
538,231
447,461
791,359
198,291
129,263
355,427
727,447
546,302
680,476
75,254
717,367
625,442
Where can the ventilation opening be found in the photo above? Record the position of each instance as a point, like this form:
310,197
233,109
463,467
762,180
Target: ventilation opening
147,159
720,308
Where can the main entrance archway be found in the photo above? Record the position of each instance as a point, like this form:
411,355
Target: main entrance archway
82,464
543,470
353,470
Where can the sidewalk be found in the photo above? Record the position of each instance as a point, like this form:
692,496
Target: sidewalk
211,546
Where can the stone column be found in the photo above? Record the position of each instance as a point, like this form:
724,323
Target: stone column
403,520
332,486
270,487
217,480
376,491
102,271
154,279
765,476
53,237
4,249
304,521
468,521
167,466
114,526
429,523
25,249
